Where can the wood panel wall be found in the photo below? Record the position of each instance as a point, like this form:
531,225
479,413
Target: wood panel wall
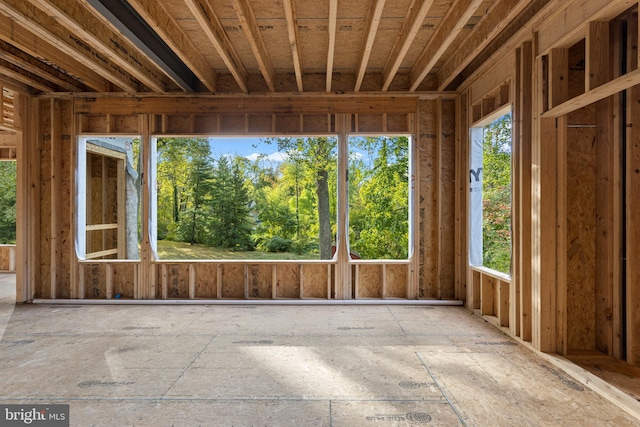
61,275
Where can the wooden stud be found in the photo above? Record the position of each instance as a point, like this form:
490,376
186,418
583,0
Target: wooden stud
274,282
461,197
56,196
525,185
437,170
147,270
562,243
558,76
294,40
597,61
343,268
604,281
356,283
544,243
164,282
219,282
487,290
109,281
632,186
192,281
331,30
502,308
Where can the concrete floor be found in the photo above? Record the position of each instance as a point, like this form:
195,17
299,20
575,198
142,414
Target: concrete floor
282,366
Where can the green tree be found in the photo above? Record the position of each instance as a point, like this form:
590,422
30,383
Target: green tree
379,199
318,157
8,202
230,220
496,195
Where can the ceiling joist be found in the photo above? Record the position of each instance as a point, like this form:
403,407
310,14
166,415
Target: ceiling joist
373,21
415,17
486,30
44,52
210,24
333,23
249,24
67,41
446,32
292,30
107,43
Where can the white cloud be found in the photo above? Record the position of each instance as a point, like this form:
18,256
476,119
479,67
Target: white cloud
273,157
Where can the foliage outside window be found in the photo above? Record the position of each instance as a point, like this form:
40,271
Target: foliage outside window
8,202
273,198
494,141
379,197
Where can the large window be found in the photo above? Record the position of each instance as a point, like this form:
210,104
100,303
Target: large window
8,202
245,198
379,197
490,186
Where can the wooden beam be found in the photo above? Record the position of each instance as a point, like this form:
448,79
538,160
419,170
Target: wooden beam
373,21
597,61
562,244
56,192
14,34
412,23
633,226
210,23
486,30
294,40
36,67
331,30
67,41
461,196
447,31
249,24
343,266
25,77
330,104
601,92
109,44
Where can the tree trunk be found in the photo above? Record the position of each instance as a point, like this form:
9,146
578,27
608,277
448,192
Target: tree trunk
324,214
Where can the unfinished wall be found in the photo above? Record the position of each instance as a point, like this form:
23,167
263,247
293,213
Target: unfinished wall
436,163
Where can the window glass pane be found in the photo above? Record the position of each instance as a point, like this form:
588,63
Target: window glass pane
246,198
491,195
7,202
379,197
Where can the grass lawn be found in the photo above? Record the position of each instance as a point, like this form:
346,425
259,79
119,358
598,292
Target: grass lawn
181,250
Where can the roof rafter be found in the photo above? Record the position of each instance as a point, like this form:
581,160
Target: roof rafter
415,17
373,21
22,39
210,24
10,70
104,40
28,63
333,23
63,39
451,25
485,31
292,29
249,24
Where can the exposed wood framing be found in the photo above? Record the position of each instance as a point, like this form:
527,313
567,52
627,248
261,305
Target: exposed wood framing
294,40
210,24
331,30
65,40
450,27
633,226
373,21
415,17
249,24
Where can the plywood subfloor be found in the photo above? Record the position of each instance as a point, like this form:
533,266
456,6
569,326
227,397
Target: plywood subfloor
284,366
626,377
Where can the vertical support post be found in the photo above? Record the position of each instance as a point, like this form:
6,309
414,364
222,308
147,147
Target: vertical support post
147,269
461,196
109,280
524,251
192,281
437,170
56,189
633,225
343,267
562,245
121,192
543,239
516,198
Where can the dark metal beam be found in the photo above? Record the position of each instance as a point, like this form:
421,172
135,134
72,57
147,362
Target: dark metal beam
136,29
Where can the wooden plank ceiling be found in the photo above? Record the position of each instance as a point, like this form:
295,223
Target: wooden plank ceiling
248,46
